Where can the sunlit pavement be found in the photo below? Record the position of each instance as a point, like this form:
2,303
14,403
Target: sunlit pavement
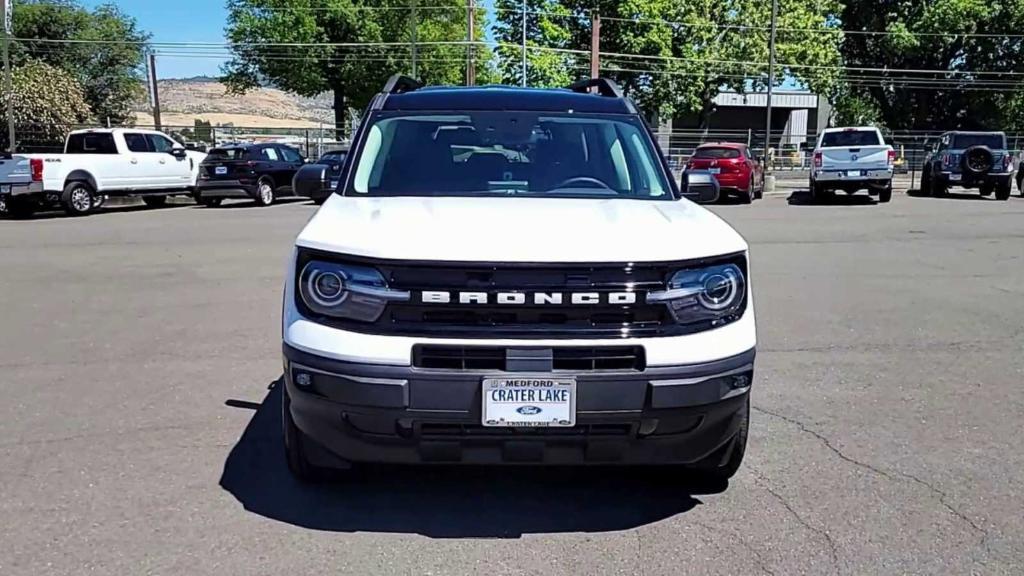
139,432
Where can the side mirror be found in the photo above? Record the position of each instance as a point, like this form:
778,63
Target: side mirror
179,153
700,186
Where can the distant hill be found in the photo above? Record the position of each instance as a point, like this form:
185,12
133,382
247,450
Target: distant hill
182,101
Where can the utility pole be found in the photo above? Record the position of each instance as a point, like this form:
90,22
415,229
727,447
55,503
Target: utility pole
6,12
595,45
154,91
771,79
415,24
470,63
524,43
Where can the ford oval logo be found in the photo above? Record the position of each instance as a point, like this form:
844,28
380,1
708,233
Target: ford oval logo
529,410
854,157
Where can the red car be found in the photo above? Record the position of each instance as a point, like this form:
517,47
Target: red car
735,168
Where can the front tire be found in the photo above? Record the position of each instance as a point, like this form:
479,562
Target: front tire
155,201
78,198
264,192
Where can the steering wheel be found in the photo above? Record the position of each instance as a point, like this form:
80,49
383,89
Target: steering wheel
583,180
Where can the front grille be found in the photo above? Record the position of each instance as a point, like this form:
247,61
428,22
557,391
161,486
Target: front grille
605,320
568,358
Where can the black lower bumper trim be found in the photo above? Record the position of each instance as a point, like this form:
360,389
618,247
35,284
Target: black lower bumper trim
399,414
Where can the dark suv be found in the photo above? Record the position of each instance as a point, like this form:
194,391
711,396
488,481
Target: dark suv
258,171
969,160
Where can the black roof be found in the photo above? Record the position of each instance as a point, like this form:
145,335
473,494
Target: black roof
506,98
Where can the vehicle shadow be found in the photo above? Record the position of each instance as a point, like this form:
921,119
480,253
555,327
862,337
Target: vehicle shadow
448,502
804,198
917,193
242,203
57,213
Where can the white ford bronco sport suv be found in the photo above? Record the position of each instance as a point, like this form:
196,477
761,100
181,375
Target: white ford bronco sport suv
511,276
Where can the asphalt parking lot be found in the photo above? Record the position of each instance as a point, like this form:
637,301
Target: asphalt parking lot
139,427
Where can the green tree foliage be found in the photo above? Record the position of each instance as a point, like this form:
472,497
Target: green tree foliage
547,32
937,35
106,54
48,103
674,56
349,47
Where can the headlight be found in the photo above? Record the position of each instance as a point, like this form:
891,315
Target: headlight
345,291
714,294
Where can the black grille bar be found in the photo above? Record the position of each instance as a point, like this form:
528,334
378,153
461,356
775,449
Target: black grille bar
567,358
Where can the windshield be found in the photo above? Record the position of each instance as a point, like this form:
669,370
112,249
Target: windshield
850,138
509,154
965,141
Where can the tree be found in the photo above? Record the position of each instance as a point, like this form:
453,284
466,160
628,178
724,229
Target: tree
48,103
547,32
675,56
971,48
105,53
350,47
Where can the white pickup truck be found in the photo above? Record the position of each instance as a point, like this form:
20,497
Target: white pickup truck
97,164
852,159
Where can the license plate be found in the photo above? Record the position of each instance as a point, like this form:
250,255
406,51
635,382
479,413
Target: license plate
334,184
954,177
854,174
715,170
220,170
529,402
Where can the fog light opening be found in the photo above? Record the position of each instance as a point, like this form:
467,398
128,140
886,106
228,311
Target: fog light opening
740,381
303,379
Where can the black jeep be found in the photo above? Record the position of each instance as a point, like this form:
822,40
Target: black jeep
969,160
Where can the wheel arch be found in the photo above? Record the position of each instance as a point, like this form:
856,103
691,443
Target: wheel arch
82,176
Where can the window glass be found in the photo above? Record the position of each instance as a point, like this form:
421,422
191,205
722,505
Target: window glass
993,141
508,153
160,143
850,138
269,153
290,154
91,144
227,154
716,153
136,142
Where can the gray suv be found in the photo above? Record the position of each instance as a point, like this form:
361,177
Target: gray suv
970,160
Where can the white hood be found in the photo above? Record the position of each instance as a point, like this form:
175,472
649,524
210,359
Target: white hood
519,229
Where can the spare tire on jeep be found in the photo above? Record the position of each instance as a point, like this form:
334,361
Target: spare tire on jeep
978,160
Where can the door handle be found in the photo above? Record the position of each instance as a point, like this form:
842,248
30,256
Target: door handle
135,160
163,161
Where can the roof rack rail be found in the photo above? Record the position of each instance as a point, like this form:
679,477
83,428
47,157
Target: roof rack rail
605,87
400,84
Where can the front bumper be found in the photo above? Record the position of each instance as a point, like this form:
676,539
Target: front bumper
226,189
401,414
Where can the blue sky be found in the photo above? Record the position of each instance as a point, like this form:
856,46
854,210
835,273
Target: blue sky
178,21
182,21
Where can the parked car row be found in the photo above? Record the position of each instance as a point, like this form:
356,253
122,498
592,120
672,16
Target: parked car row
858,158
104,163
